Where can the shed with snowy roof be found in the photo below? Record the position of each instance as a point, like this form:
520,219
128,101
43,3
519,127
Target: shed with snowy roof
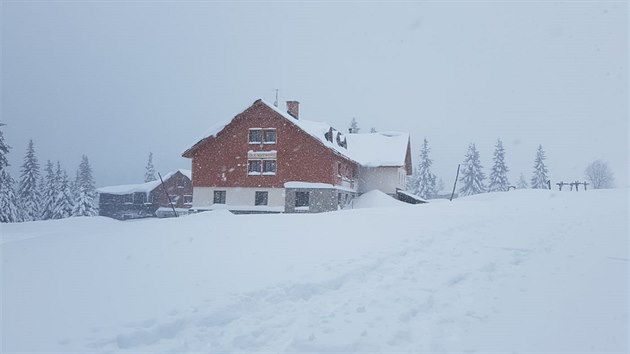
266,159
132,201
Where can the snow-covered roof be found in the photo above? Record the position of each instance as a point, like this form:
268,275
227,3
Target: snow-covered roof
369,149
142,187
315,185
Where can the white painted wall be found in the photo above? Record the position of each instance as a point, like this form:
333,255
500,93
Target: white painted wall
204,196
385,179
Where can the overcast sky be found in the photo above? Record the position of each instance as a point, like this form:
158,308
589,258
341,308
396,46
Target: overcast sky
116,80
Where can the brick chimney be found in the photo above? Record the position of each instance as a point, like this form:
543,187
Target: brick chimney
293,108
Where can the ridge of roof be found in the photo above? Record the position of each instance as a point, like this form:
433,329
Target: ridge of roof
367,149
145,187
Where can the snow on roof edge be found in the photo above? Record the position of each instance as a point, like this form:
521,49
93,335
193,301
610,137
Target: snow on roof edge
146,187
380,149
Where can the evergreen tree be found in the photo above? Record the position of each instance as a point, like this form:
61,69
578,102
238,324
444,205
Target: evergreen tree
498,176
28,190
424,182
373,130
354,127
64,202
440,185
150,170
9,210
472,175
50,192
540,178
522,182
85,203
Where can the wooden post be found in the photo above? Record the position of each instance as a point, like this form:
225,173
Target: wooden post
167,196
455,184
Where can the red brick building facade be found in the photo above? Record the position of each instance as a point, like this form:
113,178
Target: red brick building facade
252,162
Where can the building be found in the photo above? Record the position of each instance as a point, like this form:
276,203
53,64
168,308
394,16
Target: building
148,199
268,160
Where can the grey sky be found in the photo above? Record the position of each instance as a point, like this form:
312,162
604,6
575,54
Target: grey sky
115,80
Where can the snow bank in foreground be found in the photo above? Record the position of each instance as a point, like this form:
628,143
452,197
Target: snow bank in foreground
376,199
524,271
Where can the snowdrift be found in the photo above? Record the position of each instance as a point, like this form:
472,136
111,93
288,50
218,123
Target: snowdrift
375,199
523,271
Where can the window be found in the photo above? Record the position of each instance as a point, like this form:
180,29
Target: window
338,168
253,167
127,198
255,136
338,198
269,167
269,136
139,198
174,198
188,199
301,199
261,198
219,197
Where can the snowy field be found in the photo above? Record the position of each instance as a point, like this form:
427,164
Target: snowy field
522,271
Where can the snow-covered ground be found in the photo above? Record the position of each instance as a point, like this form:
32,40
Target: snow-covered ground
523,271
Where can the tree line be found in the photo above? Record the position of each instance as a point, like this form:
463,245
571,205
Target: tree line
473,179
51,195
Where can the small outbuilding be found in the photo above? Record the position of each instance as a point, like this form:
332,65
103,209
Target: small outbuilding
133,201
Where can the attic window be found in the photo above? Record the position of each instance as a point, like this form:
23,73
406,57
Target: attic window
329,135
270,136
255,136
343,143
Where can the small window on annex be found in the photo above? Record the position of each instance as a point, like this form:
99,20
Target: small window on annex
219,197
301,199
139,198
187,199
174,198
261,198
269,136
254,167
255,136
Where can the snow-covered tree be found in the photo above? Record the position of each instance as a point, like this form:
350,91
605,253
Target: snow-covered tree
9,211
85,202
472,175
64,203
498,176
599,175
423,183
28,190
440,185
373,130
354,127
49,192
540,178
522,182
149,175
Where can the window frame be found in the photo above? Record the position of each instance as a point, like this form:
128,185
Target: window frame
265,199
260,135
264,136
222,196
266,163
299,202
251,172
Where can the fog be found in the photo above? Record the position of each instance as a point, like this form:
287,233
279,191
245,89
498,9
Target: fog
117,80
